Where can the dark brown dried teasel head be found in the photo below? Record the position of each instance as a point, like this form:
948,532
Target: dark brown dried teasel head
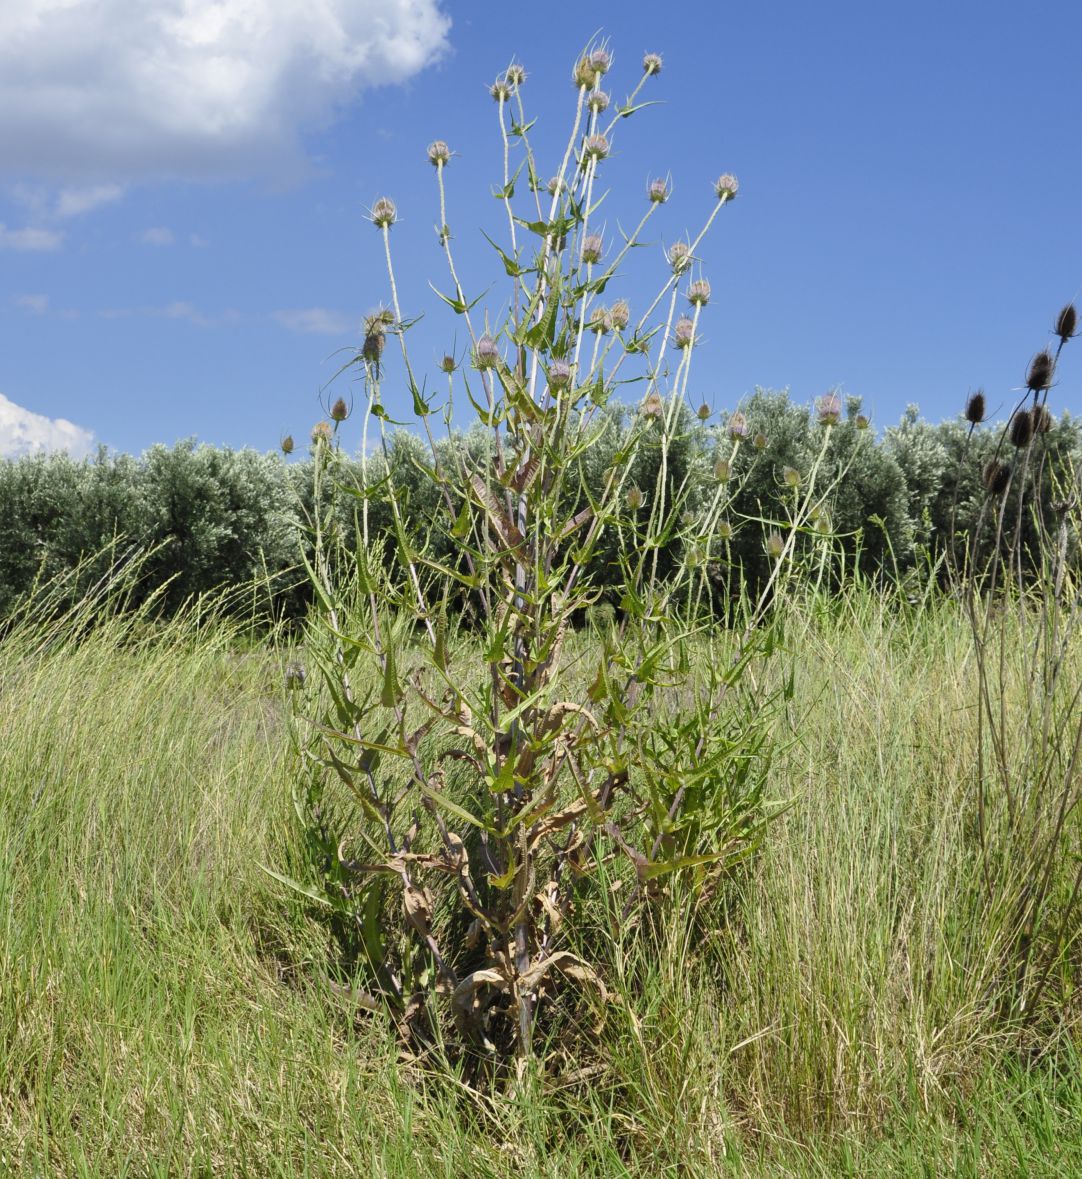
1066,323
1042,419
996,477
1021,430
975,408
1040,371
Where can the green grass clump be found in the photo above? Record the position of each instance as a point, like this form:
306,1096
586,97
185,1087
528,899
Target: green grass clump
164,1008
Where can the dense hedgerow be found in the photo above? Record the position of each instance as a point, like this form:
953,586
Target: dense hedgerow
223,517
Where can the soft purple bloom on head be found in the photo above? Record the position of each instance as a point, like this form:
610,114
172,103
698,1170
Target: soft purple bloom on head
596,146
384,213
487,353
438,153
598,101
684,333
679,256
559,374
592,247
620,314
601,59
726,187
828,409
738,426
651,63
699,293
658,191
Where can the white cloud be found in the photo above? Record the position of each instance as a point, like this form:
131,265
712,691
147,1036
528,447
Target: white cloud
102,91
157,236
73,202
23,432
29,239
316,320
38,304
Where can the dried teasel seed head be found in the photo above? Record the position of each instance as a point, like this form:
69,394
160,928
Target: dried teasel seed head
699,293
679,256
1040,371
828,409
515,74
1042,419
559,374
1066,323
339,411
487,355
322,432
726,187
635,498
996,477
651,63
683,334
703,412
287,444
621,314
374,341
384,213
596,146
775,545
975,408
592,248
598,101
658,191
438,153
1021,428
737,426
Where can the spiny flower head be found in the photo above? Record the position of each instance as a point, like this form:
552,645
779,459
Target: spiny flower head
725,530
339,411
996,477
287,444
515,74
602,321
790,476
555,185
620,313
598,101
683,335
651,63
501,89
592,247
1066,323
775,545
699,293
737,426
703,412
726,187
653,406
384,213
828,409
559,374
601,60
635,498
679,255
1040,371
722,471
322,433
596,146
438,153
658,191
487,354
584,74
759,442
975,408
1042,419
862,421
1021,428
447,364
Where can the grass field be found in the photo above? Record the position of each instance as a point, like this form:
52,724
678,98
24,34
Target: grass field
164,1008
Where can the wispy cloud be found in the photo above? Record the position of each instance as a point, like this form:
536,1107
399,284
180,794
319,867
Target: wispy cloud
158,235
230,90
29,239
74,202
316,320
38,304
179,309
24,432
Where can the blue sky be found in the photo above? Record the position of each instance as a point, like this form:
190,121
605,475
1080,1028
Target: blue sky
183,183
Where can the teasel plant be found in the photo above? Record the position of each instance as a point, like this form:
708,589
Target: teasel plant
1022,602
466,785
